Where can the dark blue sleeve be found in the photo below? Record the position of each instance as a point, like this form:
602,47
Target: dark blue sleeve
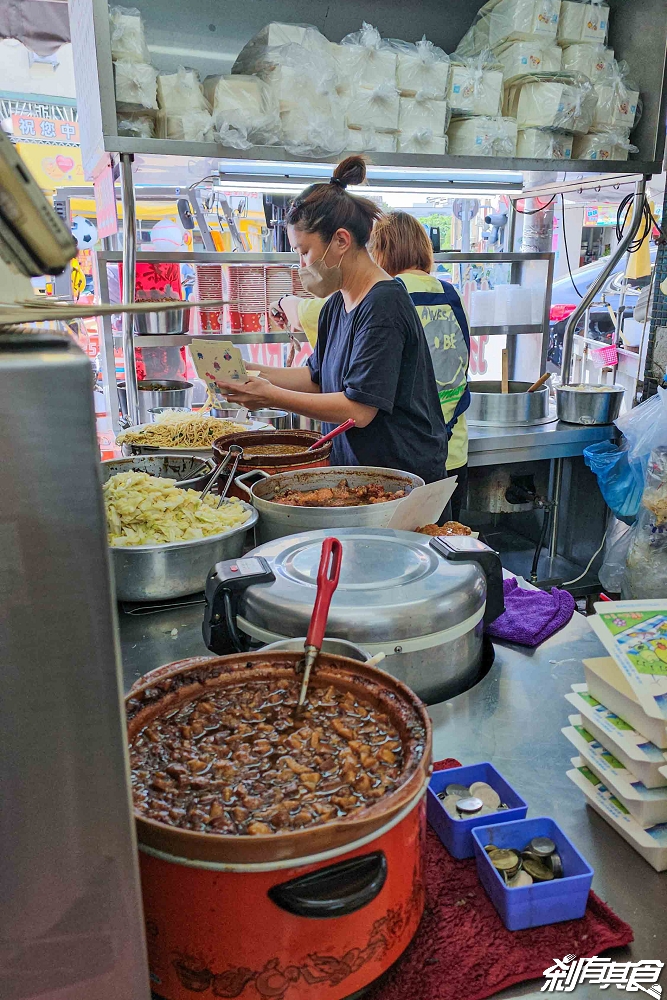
375,363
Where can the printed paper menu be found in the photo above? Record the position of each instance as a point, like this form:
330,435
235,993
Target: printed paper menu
635,633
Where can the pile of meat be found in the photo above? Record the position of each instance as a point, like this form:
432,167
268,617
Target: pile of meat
448,528
236,761
338,496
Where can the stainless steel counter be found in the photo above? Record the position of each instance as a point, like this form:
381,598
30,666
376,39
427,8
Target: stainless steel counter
514,719
498,445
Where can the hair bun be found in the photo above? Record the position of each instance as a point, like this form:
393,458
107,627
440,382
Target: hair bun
352,170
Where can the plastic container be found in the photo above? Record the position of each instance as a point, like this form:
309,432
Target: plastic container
543,902
456,834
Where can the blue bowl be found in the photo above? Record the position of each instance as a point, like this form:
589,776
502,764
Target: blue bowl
543,902
456,834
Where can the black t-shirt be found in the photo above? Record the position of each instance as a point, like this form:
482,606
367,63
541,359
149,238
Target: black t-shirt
377,354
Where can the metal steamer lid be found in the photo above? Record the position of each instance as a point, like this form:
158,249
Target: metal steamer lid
393,586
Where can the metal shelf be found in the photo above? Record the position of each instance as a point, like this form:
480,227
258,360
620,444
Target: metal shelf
185,339
504,331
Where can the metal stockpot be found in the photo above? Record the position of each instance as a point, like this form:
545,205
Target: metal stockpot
589,406
516,408
172,392
277,520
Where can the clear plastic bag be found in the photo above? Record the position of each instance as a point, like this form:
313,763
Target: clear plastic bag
500,21
245,110
619,104
265,51
644,428
423,114
620,484
564,101
181,93
617,544
191,126
128,40
476,86
366,59
137,126
544,144
482,136
312,114
367,140
377,109
535,55
611,145
422,68
136,86
646,570
423,141
591,60
583,21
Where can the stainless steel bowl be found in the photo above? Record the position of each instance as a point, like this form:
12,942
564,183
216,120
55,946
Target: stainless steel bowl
172,392
516,408
161,572
300,423
339,647
171,321
280,419
589,406
163,466
227,412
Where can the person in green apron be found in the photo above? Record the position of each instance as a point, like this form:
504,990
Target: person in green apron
399,244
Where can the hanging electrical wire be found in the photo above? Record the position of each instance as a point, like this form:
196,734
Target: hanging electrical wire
533,211
567,251
648,220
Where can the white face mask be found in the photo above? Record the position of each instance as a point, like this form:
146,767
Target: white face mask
321,280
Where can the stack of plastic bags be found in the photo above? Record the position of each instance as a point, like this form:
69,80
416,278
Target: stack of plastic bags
184,111
135,79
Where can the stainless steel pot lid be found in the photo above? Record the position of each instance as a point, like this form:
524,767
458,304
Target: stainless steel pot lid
393,585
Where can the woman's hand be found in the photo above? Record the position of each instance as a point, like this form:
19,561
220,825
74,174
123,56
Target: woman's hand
254,394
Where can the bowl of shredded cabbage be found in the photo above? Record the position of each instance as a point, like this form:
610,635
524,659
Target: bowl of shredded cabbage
164,540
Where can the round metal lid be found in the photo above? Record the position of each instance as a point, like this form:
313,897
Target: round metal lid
393,585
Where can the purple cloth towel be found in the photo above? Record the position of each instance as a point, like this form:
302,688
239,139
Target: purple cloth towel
531,616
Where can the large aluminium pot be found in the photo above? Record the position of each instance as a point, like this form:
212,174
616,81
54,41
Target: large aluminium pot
589,405
321,911
398,594
491,407
277,520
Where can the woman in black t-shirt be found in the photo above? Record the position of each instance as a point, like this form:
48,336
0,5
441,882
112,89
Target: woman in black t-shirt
372,361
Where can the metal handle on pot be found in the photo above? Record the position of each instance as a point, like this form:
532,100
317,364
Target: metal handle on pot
335,891
462,548
240,481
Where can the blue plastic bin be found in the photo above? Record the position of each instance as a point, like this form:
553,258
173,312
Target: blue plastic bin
543,902
456,833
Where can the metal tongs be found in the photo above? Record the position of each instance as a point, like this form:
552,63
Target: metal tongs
234,455
328,575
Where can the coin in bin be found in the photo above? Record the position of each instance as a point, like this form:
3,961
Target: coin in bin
521,879
461,791
488,795
556,864
542,846
490,848
469,807
538,870
504,860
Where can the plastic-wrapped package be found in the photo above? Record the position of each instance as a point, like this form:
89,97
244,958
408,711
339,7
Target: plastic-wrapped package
482,136
191,126
591,60
366,60
530,56
646,570
308,133
644,428
369,141
618,103
421,69
612,145
137,126
582,22
245,111
501,21
423,141
181,92
615,556
474,89
263,53
557,101
377,109
128,40
544,144
136,85
423,114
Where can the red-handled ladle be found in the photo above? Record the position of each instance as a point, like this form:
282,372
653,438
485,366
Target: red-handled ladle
334,433
328,575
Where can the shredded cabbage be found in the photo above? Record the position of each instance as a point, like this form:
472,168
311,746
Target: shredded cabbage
146,510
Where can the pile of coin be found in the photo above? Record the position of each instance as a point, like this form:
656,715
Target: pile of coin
538,862
463,802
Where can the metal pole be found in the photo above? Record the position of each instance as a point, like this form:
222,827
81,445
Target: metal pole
555,499
465,227
129,282
511,228
594,288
